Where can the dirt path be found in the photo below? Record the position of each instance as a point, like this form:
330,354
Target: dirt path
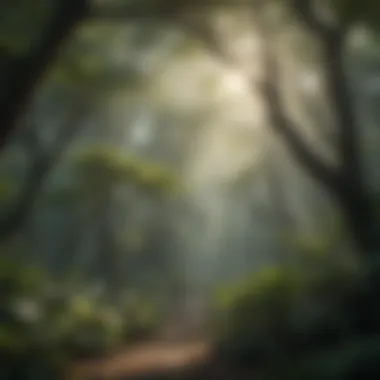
149,360
178,353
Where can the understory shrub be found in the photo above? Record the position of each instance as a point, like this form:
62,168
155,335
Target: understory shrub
284,311
43,325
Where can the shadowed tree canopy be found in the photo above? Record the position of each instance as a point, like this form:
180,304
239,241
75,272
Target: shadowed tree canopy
26,57
330,22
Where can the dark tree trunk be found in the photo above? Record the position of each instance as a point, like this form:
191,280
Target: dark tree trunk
24,74
346,182
361,220
343,105
21,76
352,194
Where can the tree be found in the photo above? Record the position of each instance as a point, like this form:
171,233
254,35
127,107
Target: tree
346,182
21,74
100,173
82,86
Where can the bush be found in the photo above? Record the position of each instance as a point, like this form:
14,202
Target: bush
142,315
253,313
283,311
89,328
353,360
43,325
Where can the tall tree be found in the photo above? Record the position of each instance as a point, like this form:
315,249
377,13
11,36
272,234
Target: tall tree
81,89
345,182
21,74
102,172
331,23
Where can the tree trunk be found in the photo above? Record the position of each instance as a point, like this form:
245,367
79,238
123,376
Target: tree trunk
352,194
24,74
361,221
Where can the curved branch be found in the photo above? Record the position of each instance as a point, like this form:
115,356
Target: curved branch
288,129
23,76
307,14
280,122
339,93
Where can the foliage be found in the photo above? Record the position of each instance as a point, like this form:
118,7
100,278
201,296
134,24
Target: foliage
21,280
101,168
88,65
284,310
7,190
317,319
321,242
46,323
356,359
143,313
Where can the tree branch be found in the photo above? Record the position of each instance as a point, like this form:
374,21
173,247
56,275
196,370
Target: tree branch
306,13
303,153
23,76
332,40
288,130
339,93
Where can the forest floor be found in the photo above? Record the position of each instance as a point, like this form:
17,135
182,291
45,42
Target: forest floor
160,361
149,360
179,353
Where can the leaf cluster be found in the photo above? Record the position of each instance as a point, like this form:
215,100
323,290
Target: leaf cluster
103,168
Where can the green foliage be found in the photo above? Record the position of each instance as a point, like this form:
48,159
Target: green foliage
47,324
86,66
155,178
90,328
304,321
101,168
7,190
357,359
282,310
322,242
144,315
21,280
